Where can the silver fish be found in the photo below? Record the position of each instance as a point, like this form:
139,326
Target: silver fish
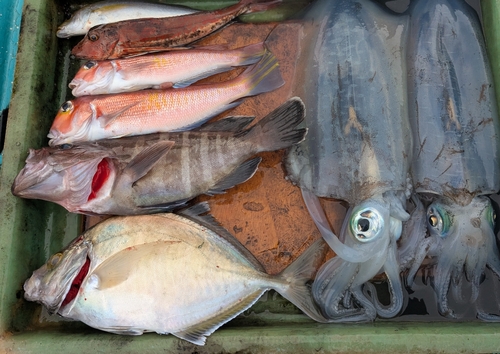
158,172
164,273
358,148
109,11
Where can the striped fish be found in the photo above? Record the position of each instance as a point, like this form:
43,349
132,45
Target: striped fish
157,172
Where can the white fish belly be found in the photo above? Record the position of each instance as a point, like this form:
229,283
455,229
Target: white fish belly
174,288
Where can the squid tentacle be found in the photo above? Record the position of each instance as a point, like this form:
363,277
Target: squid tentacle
411,239
395,288
318,215
424,248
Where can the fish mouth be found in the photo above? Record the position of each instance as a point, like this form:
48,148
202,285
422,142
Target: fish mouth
75,285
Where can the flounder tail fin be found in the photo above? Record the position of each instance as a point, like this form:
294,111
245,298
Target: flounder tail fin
299,274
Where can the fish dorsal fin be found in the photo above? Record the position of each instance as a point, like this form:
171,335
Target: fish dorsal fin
197,334
106,119
228,124
241,174
140,165
194,213
117,268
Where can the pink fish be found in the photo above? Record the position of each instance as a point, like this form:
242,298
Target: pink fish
160,70
90,118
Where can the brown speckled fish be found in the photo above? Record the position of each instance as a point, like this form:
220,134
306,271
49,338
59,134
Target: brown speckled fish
134,37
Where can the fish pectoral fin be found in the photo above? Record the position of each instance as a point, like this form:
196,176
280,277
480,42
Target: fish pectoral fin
141,164
107,119
117,268
186,83
241,174
198,333
228,124
164,207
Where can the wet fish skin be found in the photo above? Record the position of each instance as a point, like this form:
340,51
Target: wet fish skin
160,70
153,173
135,37
142,271
90,118
110,11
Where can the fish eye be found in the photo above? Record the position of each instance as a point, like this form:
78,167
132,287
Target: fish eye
54,260
438,220
89,65
65,146
366,224
67,106
93,37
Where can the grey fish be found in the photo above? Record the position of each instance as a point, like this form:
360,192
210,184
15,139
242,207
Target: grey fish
165,273
157,172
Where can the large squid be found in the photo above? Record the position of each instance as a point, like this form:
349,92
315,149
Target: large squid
358,149
456,154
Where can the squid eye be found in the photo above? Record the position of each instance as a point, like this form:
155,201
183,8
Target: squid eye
366,224
67,106
438,220
93,37
89,65
54,260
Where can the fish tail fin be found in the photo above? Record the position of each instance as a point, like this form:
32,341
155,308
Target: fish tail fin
262,5
262,77
299,274
251,54
278,130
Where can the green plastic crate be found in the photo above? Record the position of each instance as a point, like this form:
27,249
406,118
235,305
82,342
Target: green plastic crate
31,230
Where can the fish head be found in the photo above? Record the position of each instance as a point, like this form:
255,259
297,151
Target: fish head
51,284
75,25
98,44
65,175
72,122
94,77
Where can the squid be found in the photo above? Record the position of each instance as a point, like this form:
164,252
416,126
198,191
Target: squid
358,149
456,152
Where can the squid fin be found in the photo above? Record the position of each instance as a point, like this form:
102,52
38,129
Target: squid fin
228,124
117,268
107,119
241,174
197,334
141,164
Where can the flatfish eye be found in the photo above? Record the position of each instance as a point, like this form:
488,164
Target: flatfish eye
438,220
67,106
90,64
366,224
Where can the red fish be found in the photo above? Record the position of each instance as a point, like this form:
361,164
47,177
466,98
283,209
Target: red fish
134,37
98,117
